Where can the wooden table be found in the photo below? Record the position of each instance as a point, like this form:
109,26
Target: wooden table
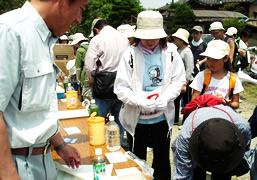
87,151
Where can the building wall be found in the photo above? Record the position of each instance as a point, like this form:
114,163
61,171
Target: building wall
252,9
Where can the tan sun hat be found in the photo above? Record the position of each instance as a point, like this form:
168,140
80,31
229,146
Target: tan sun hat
127,30
197,28
93,25
182,34
149,25
216,26
76,38
231,31
216,49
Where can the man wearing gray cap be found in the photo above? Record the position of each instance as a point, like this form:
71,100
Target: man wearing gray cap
197,46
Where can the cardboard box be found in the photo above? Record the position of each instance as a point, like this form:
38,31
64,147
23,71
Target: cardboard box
62,54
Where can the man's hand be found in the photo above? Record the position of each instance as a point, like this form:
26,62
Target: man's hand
184,88
90,83
71,156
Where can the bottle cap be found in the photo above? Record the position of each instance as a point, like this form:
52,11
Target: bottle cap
111,118
69,84
98,151
92,101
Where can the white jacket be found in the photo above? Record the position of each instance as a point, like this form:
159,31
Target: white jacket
128,84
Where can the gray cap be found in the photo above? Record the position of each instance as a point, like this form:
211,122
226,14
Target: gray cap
197,28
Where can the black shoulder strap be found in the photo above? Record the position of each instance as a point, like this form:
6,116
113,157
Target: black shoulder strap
131,60
226,39
171,58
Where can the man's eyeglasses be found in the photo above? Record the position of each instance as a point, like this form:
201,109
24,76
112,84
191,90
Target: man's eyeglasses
215,33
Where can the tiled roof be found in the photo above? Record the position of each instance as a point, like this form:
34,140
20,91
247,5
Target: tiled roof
218,2
217,14
208,2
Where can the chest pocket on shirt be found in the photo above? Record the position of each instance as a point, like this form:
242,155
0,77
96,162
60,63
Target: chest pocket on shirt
36,87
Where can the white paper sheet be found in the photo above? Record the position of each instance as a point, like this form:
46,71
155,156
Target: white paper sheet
126,171
72,114
84,171
115,157
64,100
72,130
129,174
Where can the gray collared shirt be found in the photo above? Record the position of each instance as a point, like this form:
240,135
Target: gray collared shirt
28,75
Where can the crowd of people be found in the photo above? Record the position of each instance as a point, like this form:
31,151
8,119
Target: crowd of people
134,73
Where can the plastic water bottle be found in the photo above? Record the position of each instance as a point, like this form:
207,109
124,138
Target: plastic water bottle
65,83
93,108
70,88
112,135
98,164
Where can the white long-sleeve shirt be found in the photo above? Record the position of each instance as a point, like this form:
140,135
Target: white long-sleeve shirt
108,46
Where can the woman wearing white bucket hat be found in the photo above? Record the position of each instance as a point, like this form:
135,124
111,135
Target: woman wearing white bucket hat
150,76
128,31
232,32
217,54
181,40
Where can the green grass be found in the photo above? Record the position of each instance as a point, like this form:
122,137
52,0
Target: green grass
250,93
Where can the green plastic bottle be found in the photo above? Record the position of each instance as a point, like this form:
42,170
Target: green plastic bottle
98,164
93,108
65,82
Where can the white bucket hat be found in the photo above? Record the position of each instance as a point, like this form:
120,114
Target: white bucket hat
231,31
182,34
64,37
70,66
127,30
149,25
216,26
77,38
216,49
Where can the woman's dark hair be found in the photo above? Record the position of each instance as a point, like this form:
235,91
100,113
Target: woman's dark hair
228,65
163,42
246,33
99,25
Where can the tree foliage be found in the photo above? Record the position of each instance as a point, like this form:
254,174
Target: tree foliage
184,17
7,5
233,7
115,11
234,22
173,5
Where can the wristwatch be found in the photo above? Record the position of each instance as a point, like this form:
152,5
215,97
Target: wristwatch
58,148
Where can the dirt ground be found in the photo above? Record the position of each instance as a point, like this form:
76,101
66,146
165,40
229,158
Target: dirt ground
246,112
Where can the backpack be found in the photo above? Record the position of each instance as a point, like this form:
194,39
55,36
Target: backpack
207,79
205,100
236,55
243,60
